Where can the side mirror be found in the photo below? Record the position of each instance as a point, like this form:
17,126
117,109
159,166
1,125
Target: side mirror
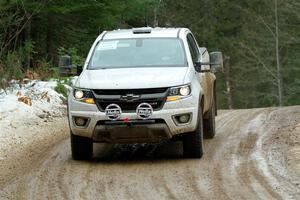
65,66
65,61
201,67
216,61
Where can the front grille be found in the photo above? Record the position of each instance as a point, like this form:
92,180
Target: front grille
131,91
156,97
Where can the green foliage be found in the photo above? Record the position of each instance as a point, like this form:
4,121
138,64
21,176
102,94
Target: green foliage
27,51
45,70
33,34
13,66
16,62
73,52
65,81
61,89
246,31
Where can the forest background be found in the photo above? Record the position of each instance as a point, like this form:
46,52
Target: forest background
260,39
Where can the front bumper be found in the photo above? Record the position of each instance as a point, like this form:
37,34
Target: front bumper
164,126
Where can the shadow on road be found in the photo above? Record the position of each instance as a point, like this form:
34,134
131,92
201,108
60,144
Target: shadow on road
135,152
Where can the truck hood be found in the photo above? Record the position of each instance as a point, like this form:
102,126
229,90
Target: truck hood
130,78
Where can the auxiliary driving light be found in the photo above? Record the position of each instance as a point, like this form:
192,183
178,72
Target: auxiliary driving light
182,119
80,121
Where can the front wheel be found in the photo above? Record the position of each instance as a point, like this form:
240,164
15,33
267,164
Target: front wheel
193,142
82,147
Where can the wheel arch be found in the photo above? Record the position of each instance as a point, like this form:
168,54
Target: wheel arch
215,97
202,103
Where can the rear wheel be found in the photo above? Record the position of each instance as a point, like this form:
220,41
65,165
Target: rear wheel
193,142
209,125
82,147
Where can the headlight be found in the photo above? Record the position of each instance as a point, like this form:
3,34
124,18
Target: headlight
83,95
79,94
179,92
185,91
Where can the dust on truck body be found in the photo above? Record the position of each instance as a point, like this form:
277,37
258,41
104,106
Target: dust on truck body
144,85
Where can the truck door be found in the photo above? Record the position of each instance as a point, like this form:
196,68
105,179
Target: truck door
196,56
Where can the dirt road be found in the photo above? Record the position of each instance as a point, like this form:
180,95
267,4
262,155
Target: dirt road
255,155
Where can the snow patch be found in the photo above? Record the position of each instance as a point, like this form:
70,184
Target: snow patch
45,102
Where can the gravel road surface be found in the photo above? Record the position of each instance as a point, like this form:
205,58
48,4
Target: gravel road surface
255,155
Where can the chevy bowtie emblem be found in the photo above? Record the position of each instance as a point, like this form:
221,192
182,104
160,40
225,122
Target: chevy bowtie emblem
130,97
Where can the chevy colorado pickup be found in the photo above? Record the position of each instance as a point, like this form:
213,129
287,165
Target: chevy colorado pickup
144,85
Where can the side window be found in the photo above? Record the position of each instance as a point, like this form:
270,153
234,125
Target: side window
193,47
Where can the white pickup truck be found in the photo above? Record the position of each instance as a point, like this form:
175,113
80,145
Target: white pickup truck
144,85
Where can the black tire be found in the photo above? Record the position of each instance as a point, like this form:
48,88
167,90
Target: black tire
193,142
82,147
209,125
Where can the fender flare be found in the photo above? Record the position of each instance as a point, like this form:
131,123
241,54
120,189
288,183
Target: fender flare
215,97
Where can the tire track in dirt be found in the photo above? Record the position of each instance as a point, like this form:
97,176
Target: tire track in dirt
240,163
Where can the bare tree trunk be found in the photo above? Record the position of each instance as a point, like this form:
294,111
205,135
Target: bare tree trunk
49,36
28,38
279,78
228,81
155,12
21,27
155,20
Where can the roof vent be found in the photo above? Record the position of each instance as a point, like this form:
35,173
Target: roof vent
141,31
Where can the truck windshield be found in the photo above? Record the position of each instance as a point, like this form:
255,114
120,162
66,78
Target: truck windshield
141,52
